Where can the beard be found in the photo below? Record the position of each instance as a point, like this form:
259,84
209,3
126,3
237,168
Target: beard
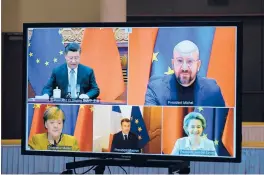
185,78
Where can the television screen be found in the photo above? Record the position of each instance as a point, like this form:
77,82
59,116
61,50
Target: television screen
159,90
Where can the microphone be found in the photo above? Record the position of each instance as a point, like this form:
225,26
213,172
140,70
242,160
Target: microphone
68,96
55,143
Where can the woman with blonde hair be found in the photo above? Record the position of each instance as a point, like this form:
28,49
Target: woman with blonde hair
53,139
194,144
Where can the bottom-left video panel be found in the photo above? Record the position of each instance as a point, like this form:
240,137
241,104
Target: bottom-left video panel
60,127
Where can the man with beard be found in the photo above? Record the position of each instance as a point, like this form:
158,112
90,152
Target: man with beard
184,87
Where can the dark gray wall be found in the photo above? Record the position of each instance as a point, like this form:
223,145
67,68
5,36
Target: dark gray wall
179,7
253,47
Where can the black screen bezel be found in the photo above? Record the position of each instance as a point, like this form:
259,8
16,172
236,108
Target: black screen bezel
238,126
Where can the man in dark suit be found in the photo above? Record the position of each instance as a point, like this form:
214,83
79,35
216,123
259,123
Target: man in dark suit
125,141
72,77
184,87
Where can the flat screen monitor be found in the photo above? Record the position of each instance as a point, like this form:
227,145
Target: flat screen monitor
163,91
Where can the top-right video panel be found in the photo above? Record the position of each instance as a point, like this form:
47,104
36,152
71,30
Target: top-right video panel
182,66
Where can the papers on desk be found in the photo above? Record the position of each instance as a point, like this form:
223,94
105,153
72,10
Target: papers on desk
41,97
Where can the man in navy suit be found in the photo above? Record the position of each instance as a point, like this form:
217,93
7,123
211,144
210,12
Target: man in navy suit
125,141
184,87
72,77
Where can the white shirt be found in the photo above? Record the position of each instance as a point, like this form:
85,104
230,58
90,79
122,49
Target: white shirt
75,73
185,144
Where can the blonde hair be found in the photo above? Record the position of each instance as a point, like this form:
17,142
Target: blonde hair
191,116
53,112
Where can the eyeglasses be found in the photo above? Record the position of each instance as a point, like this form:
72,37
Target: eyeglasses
179,61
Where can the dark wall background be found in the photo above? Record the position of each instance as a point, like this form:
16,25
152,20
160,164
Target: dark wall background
248,11
191,7
12,57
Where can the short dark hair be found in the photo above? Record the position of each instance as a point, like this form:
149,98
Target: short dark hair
125,120
73,47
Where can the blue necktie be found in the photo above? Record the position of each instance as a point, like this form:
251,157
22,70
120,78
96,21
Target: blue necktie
72,83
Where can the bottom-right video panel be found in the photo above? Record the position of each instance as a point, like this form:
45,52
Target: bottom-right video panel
198,131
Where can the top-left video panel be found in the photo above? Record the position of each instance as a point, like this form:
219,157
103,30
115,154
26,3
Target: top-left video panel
77,65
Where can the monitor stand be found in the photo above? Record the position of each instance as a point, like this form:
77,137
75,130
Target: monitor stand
174,166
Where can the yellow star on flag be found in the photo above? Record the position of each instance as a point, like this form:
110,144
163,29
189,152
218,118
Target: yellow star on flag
136,121
204,136
154,57
139,129
29,44
55,60
46,63
31,54
61,52
139,137
81,106
37,60
200,109
36,106
92,108
169,72
123,57
216,142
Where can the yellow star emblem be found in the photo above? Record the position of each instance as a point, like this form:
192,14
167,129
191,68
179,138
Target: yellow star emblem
31,54
139,137
36,106
216,142
123,57
46,63
139,129
169,72
92,108
81,106
136,121
200,109
154,57
55,60
204,136
37,60
29,44
61,52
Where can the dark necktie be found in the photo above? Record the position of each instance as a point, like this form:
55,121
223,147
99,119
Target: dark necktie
126,137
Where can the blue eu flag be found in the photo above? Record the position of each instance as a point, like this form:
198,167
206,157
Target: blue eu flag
45,52
138,126
215,124
168,38
71,115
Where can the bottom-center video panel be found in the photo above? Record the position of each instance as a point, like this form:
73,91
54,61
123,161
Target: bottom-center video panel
123,129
